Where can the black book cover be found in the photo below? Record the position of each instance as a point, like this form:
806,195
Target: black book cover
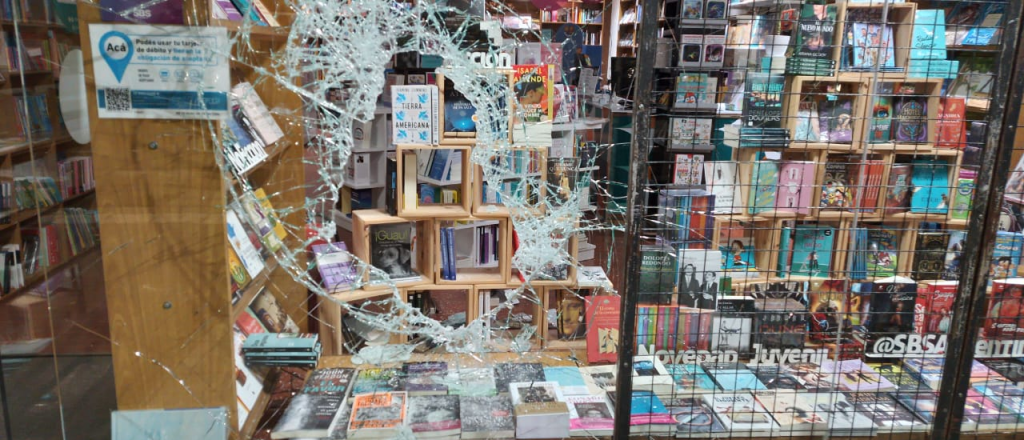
391,184
506,373
762,105
892,309
930,255
391,249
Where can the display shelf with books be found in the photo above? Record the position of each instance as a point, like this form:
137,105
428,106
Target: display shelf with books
520,170
563,273
471,251
434,181
877,46
396,246
509,326
904,116
837,105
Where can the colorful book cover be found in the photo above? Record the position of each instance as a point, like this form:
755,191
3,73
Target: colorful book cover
691,50
796,180
934,311
1006,255
689,132
737,247
954,251
898,189
413,110
378,380
812,250
647,409
569,380
762,107
714,9
910,119
739,412
693,9
883,251
695,90
837,184
816,32
928,41
141,12
691,379
987,28
1002,321
377,411
732,377
929,255
903,380
603,324
950,128
808,126
881,115
459,113
590,415
836,120
764,186
963,195
892,307
689,170
334,264
930,178
534,109
695,417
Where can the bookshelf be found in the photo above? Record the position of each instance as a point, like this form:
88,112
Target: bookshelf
163,198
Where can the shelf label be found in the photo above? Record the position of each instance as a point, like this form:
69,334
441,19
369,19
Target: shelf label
160,72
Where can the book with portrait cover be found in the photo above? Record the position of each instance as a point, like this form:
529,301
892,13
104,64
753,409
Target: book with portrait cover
892,307
434,416
534,104
898,189
392,250
836,119
590,416
762,107
377,415
695,418
816,32
1002,320
311,412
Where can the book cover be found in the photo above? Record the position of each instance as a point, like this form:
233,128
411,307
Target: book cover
910,119
602,320
762,106
311,412
506,373
569,379
837,189
883,251
689,170
380,413
722,182
434,415
827,307
133,11
425,378
647,409
335,266
904,381
1001,321
243,246
695,418
892,307
808,125
764,186
714,9
737,248
855,376
812,250
732,377
1006,255
1010,369
796,180
963,195
691,50
689,132
844,418
692,9
599,378
695,90
950,127
697,274
777,378
378,380
928,40
934,309
930,179
796,412
987,27
270,313
740,412
954,252
881,116
391,249
898,189
195,424
413,110
486,417
534,104
812,377
471,382
459,113
779,323
815,32
691,379
657,274
929,255
590,415
731,333
836,120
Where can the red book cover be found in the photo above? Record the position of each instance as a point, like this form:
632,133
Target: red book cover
872,184
897,189
52,246
248,324
1005,306
602,328
949,128
934,307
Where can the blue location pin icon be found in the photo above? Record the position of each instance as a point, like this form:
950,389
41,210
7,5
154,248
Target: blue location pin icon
117,50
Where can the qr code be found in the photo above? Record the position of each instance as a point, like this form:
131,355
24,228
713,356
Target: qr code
118,100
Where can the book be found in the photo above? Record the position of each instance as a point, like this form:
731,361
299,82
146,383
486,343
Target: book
929,255
910,119
928,40
471,382
1001,321
1012,370
243,246
898,189
883,251
836,120
796,412
425,378
695,91
590,416
762,107
777,378
650,374
722,183
733,376
950,126
1006,255
273,316
689,170
808,125
796,179
880,128
310,413
854,375
904,381
486,417
845,419
697,273
686,133
540,409
569,379
602,322
414,108
963,195
280,342
815,32
334,264
377,415
506,373
892,307
392,250
691,379
930,178
534,104
197,424
954,251
934,308
779,323
731,332
764,186
812,250
812,377
378,380
459,113
837,186
256,113
694,416
434,416
657,274
648,415
739,412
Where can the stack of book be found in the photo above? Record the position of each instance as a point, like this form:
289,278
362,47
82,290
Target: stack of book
281,350
334,264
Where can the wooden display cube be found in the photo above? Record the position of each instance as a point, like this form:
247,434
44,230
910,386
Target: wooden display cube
438,302
363,225
901,248
476,260
409,193
332,328
570,327
506,324
924,91
778,243
519,169
824,93
450,132
565,277
900,18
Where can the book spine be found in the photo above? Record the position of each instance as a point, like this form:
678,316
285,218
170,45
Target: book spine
435,127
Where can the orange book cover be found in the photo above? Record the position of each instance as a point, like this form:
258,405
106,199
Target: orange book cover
378,411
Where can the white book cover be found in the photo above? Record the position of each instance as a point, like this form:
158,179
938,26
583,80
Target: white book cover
689,170
254,109
413,114
590,415
739,412
843,416
722,182
599,378
244,248
697,277
730,333
648,372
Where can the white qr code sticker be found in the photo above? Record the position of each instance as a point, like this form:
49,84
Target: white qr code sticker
118,100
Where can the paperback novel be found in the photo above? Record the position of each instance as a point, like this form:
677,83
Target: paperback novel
392,250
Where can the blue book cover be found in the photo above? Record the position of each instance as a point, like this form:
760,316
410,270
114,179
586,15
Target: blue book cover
764,182
930,179
859,265
645,402
785,252
691,377
738,254
193,424
812,250
738,379
929,38
569,379
438,164
954,253
883,251
1006,255
427,194
986,27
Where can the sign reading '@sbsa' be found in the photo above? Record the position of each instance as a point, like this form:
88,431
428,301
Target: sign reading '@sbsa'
160,72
